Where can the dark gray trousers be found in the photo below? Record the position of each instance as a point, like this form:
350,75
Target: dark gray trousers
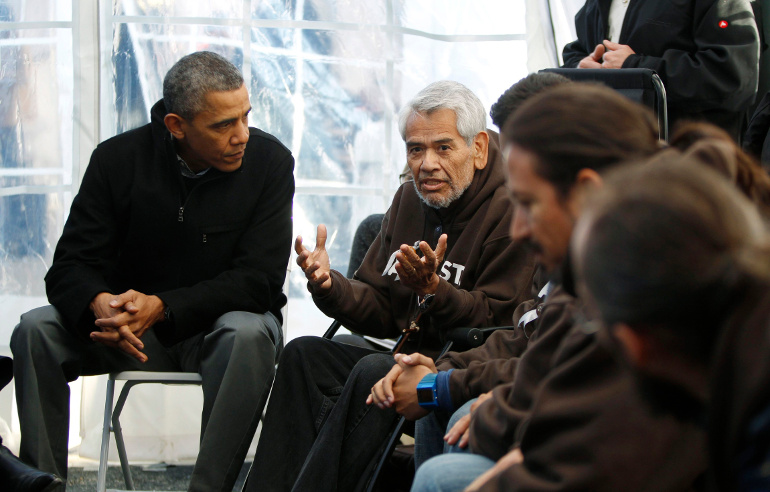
236,360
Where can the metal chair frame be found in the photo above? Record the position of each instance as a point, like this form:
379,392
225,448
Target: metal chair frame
112,416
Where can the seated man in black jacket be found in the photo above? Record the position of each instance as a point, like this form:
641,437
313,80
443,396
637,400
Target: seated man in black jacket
705,51
172,259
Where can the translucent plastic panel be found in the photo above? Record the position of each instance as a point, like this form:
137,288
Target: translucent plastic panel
345,93
458,18
35,10
273,82
356,11
15,177
143,53
30,225
341,101
35,144
378,164
273,9
352,47
348,11
216,9
488,69
35,97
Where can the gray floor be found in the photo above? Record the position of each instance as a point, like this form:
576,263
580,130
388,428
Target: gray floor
152,478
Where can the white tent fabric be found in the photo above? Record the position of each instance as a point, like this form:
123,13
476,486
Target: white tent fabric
550,25
160,423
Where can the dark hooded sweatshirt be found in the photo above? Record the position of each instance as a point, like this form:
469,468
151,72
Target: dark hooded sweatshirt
739,412
484,275
483,368
579,419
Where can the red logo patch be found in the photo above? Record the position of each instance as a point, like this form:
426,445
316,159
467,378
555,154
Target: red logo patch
723,24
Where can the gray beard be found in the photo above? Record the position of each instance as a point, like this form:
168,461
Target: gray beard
442,202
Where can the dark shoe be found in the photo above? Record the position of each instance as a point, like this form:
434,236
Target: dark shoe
17,476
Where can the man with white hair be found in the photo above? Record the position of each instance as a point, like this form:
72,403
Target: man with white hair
442,260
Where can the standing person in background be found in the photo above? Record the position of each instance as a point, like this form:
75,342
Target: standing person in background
705,51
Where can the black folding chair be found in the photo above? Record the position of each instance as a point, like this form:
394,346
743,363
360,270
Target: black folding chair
641,85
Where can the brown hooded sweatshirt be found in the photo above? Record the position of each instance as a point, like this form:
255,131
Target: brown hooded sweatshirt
484,275
579,419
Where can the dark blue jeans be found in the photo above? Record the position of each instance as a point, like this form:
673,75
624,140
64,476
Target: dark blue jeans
318,433
430,430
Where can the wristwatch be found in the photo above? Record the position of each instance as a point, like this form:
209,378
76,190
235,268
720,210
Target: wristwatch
427,396
167,314
427,300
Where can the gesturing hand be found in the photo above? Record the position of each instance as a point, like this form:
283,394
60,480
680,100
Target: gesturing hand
315,263
419,274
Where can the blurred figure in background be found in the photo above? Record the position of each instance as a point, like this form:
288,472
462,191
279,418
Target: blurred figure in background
678,265
705,51
715,148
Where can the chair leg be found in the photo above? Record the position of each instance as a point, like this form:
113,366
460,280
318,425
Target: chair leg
101,481
394,437
119,442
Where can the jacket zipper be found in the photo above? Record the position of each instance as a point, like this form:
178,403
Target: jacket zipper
180,215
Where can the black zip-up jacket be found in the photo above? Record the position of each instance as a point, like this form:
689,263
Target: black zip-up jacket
709,68
222,247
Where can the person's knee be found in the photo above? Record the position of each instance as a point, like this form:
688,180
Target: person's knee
33,331
249,330
299,348
450,472
429,476
372,368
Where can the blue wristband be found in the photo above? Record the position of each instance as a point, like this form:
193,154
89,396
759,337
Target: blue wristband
426,392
